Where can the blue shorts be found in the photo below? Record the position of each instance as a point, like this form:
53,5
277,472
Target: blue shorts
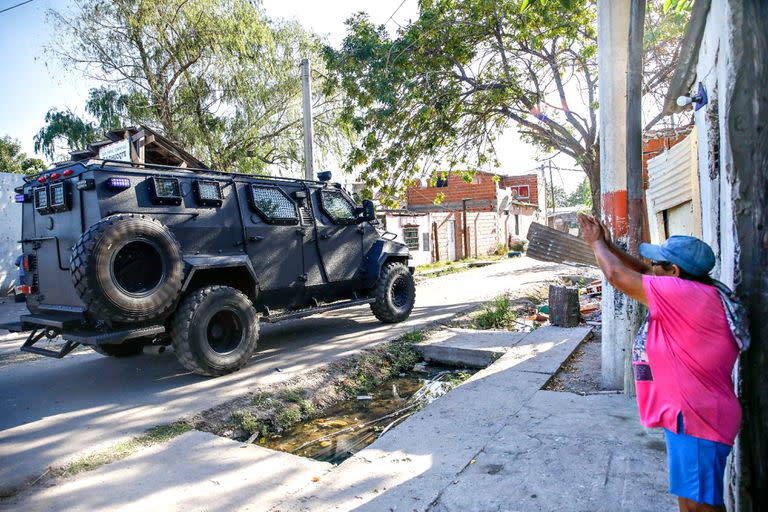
696,466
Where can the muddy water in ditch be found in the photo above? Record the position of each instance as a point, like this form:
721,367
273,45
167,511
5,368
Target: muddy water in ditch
350,426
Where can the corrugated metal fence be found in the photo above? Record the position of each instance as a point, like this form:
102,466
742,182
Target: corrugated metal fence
547,244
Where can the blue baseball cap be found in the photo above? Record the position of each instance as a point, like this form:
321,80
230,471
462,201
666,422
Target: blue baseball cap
687,252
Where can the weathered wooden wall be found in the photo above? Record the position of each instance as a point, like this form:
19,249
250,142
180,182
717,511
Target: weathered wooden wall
747,121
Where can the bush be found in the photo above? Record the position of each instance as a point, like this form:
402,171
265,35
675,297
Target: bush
518,244
497,315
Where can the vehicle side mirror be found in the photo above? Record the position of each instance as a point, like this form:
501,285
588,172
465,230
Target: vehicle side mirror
369,210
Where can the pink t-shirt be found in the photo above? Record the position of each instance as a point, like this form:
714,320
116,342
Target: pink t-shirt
687,361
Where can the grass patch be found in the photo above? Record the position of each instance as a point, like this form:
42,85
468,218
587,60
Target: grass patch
497,315
153,436
269,413
374,367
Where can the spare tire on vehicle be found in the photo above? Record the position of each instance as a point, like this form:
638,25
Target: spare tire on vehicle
127,268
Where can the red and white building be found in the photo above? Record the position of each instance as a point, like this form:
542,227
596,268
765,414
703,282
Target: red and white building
470,219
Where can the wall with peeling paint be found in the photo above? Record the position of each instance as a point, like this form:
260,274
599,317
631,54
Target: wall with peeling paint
733,164
10,231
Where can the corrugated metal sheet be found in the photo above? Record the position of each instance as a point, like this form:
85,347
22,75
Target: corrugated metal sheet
547,244
669,176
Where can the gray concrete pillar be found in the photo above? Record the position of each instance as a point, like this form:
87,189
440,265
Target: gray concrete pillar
612,54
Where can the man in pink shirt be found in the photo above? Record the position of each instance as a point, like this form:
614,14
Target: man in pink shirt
682,357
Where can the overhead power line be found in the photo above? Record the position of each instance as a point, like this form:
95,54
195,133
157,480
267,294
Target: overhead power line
14,6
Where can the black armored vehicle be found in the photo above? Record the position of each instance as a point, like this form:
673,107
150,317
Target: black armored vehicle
121,256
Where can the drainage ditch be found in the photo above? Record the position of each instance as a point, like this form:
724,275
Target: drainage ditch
353,424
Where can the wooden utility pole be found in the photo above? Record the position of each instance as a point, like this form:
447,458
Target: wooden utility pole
465,230
552,192
635,213
306,82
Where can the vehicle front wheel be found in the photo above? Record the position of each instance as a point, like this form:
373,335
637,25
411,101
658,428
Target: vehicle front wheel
215,331
395,294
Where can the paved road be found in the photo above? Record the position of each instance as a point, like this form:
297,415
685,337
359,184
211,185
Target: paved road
54,410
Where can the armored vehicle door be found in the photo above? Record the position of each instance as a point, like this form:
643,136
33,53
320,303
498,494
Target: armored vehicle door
341,238
274,237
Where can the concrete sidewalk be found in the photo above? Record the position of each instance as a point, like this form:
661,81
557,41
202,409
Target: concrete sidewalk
497,442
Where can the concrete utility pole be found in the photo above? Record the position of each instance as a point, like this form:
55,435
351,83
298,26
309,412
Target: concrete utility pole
612,54
306,81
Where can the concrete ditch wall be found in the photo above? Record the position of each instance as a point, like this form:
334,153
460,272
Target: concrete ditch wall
10,231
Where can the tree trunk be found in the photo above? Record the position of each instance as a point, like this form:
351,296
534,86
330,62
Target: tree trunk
592,169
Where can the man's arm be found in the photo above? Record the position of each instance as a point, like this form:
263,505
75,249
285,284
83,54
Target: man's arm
616,271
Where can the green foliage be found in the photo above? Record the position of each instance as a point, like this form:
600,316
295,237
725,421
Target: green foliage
12,159
581,196
497,315
216,76
288,416
375,366
63,128
560,198
247,422
567,4
441,92
677,6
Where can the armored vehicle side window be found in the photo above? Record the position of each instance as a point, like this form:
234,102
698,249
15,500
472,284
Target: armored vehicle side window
273,205
338,207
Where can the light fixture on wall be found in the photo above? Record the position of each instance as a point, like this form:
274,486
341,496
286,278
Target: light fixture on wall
700,98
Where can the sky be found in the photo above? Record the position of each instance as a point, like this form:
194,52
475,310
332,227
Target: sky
34,81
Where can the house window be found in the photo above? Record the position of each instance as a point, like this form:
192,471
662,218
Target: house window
523,192
411,237
514,191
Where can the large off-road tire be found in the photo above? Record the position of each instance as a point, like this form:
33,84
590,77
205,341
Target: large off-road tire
121,350
215,331
395,293
127,268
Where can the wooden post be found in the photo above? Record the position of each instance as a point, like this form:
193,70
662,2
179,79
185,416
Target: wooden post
437,241
564,306
465,231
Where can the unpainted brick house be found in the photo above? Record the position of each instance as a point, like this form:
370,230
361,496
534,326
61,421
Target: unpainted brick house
473,218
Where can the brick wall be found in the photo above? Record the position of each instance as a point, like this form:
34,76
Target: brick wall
457,189
529,180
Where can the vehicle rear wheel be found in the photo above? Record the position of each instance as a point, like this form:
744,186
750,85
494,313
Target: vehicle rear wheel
127,268
395,293
121,350
215,331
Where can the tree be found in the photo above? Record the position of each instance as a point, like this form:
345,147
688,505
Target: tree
12,159
581,196
560,197
216,76
65,131
441,92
